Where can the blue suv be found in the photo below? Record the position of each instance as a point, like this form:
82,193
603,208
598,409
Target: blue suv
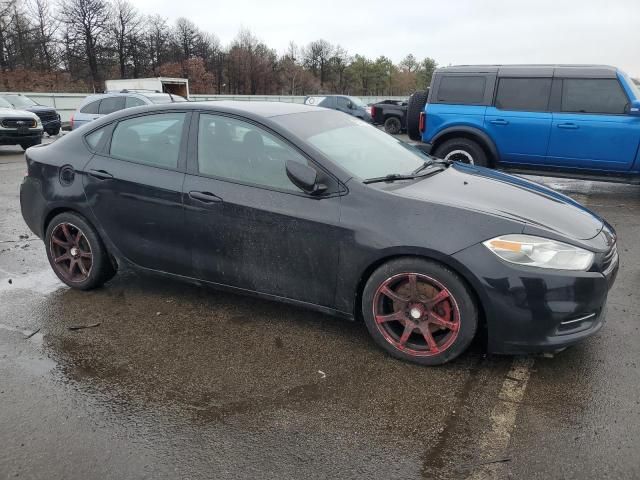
579,121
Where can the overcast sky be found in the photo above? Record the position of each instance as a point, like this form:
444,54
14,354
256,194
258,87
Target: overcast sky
451,31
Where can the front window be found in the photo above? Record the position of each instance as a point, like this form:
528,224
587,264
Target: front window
357,101
18,101
632,85
5,104
357,147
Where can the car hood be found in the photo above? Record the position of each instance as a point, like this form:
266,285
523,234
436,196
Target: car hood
40,108
500,194
13,113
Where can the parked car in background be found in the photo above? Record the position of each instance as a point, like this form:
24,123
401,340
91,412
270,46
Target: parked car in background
319,209
48,115
98,105
19,127
580,121
343,103
392,114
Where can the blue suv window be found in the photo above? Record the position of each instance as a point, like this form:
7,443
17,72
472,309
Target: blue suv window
461,89
591,95
525,94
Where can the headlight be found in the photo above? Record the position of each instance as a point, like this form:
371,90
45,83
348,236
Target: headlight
540,252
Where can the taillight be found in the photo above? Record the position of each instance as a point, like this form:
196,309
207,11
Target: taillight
422,122
373,111
71,122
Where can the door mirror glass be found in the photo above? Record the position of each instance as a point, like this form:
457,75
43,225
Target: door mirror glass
304,177
634,108
350,105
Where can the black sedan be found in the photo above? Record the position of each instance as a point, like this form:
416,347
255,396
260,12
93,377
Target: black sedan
316,208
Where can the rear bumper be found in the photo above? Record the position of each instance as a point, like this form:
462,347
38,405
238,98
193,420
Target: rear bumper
536,310
32,204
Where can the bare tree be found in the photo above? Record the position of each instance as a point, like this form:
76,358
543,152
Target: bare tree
125,27
46,27
87,22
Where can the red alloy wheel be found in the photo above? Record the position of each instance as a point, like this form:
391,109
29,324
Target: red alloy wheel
70,252
416,314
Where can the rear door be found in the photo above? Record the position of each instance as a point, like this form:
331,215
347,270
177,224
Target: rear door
519,120
591,128
249,226
134,187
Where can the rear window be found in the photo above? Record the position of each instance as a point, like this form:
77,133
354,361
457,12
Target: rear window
110,105
91,107
165,98
528,94
461,89
587,95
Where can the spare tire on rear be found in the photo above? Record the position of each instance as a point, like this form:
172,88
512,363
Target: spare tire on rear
416,104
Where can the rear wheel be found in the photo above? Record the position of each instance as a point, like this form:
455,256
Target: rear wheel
416,104
392,125
76,253
462,150
420,311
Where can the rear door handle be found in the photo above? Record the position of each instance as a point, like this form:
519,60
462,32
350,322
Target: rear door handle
205,197
571,126
100,174
499,121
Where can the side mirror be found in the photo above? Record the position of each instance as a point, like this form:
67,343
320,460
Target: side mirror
634,107
304,177
350,105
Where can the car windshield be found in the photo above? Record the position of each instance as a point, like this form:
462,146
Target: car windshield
19,101
634,87
5,104
357,147
165,98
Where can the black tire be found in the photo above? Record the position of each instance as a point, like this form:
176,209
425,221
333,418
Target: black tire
100,269
416,104
25,145
458,299
463,150
54,132
392,125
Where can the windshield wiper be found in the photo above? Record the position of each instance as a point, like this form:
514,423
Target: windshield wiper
392,177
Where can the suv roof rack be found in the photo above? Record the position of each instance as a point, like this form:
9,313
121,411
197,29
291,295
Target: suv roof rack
133,90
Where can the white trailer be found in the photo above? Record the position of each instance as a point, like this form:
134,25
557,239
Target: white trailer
175,86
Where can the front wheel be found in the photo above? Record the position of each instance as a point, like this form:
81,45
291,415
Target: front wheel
419,310
76,253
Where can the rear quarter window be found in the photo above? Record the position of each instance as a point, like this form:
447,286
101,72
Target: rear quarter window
461,89
111,104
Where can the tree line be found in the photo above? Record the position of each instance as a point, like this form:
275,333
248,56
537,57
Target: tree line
75,45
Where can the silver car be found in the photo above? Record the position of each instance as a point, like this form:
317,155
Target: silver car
98,105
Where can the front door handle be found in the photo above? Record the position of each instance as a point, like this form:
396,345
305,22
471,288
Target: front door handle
205,197
499,121
100,174
571,126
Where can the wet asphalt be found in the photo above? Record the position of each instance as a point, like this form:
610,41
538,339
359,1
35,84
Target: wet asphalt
183,382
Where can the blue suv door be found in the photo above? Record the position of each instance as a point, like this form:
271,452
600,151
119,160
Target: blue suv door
591,128
519,121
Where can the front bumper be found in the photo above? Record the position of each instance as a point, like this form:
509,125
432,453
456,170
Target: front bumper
532,310
12,137
50,125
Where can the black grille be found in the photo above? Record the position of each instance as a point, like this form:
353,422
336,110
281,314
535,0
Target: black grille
48,115
19,122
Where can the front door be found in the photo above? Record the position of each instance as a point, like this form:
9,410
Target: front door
134,187
252,228
591,129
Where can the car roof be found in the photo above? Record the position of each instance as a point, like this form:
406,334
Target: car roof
547,70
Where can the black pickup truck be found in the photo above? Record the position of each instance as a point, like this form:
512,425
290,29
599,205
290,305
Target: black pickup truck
390,113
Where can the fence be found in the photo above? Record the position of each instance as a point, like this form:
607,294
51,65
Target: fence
67,103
